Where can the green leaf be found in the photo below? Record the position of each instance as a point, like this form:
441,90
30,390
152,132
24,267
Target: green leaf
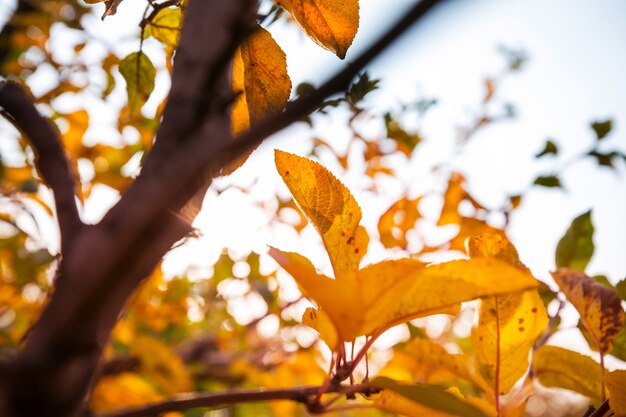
432,396
563,368
576,247
619,345
621,289
139,73
548,181
549,149
604,159
602,128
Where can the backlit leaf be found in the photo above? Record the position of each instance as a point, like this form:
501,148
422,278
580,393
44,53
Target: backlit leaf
575,248
260,81
397,221
393,294
166,25
599,306
338,298
430,396
424,359
616,385
369,301
330,23
329,206
508,325
563,368
139,73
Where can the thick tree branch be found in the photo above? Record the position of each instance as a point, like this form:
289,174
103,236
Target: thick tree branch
19,108
107,262
184,402
211,148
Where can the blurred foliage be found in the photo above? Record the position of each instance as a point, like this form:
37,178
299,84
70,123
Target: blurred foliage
182,333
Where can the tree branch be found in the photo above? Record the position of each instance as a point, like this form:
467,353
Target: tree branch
19,109
186,401
210,148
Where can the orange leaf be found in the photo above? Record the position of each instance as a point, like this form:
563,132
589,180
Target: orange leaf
599,306
332,24
261,82
329,206
616,384
397,221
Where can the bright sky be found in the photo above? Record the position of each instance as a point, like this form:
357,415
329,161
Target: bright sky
574,76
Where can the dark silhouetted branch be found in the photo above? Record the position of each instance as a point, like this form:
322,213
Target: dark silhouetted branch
304,395
19,108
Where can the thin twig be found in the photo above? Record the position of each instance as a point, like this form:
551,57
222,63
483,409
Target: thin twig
186,401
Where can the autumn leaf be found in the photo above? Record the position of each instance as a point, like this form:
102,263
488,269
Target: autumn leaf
563,368
260,81
166,25
424,360
328,205
368,301
616,385
401,290
139,73
575,248
338,298
420,399
332,24
508,325
599,306
397,221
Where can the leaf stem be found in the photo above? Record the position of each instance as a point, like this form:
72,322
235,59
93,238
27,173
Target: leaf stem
497,378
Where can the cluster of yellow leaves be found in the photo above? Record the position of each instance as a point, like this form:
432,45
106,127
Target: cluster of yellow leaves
370,300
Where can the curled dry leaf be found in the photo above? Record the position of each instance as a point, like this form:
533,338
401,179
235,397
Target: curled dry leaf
599,306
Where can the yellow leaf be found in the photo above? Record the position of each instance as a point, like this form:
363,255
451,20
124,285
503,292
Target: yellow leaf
332,24
329,206
563,368
616,385
161,365
424,359
508,325
122,391
260,81
424,400
339,299
515,405
166,25
397,221
433,288
599,306
369,301
320,321
393,292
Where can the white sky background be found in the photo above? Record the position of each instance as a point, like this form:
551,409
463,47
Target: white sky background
576,74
